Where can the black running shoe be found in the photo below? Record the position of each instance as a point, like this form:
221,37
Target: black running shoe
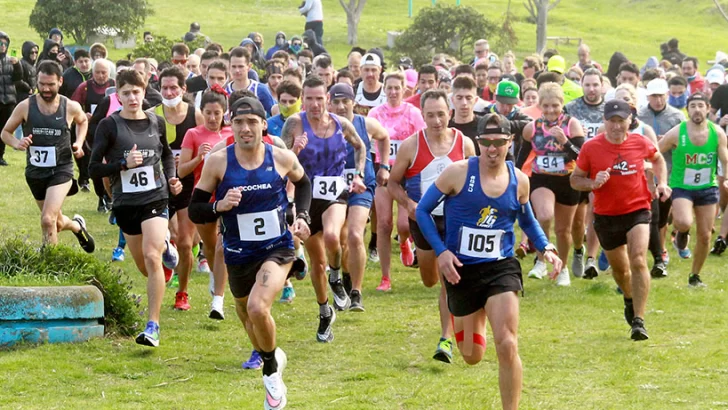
341,298
628,312
695,282
3,163
659,270
719,246
356,305
638,330
590,269
84,238
101,208
346,279
85,187
325,333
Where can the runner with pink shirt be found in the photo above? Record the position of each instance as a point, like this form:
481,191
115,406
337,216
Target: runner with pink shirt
401,119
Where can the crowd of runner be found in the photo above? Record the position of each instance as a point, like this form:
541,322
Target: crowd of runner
262,166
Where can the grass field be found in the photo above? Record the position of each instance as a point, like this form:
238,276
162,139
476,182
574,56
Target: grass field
574,345
635,27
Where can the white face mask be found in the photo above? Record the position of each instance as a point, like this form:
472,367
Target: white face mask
173,102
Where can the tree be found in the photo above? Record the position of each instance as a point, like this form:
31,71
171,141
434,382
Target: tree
507,40
161,48
443,29
539,10
353,14
720,9
81,18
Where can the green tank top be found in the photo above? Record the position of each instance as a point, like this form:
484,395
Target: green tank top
694,166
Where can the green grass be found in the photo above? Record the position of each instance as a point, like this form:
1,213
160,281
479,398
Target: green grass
573,342
635,27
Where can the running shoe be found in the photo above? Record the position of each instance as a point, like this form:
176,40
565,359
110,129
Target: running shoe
255,362
341,298
275,389
684,253
356,305
577,264
150,335
665,257
3,163
346,279
203,266
287,295
170,256
539,270
406,254
325,333
563,279
638,330
522,250
443,352
216,309
301,274
117,255
101,208
84,187
168,273
373,255
695,282
84,238
590,269
603,262
719,246
174,281
659,270
385,285
181,301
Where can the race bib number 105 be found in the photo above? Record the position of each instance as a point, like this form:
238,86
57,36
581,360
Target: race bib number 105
480,243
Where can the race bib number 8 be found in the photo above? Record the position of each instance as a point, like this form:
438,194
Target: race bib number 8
349,176
550,163
480,243
259,226
138,180
697,177
394,148
328,188
43,156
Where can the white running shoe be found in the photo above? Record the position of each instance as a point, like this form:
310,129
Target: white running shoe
217,309
275,389
563,279
539,270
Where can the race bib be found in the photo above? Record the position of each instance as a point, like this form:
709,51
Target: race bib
328,188
259,226
480,243
394,148
176,152
590,129
349,176
138,180
44,157
550,163
93,108
696,177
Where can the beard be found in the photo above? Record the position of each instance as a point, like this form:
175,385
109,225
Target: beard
698,119
48,97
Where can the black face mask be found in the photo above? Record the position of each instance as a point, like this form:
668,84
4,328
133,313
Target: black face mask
52,56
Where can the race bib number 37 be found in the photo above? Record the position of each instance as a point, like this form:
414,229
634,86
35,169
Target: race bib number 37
138,180
328,188
259,226
43,156
480,243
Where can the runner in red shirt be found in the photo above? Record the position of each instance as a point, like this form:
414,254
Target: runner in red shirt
612,166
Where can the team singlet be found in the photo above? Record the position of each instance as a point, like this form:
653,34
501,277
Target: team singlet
694,166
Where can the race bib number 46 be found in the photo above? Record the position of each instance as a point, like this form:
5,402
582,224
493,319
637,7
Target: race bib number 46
549,163
43,156
480,243
328,188
697,177
259,226
138,180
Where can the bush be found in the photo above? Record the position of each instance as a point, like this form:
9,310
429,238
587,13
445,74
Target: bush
161,48
22,264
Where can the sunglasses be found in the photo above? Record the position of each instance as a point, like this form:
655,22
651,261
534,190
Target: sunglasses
4,43
179,61
498,142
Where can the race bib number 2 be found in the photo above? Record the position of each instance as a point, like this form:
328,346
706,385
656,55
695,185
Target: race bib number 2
259,226
44,157
328,188
138,180
696,177
480,243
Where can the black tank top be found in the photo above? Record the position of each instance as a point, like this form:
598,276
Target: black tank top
180,129
50,152
93,99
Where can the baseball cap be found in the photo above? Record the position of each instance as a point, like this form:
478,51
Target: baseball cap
657,86
404,63
341,90
715,77
698,97
410,76
557,64
618,108
507,92
371,59
503,126
247,105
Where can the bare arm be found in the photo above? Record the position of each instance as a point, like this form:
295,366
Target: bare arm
469,147
528,131
212,172
199,119
278,142
378,133
722,148
669,140
580,180
524,186
187,164
659,168
291,128
81,120
19,115
396,176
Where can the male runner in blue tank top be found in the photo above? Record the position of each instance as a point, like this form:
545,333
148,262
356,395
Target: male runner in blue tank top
341,102
249,181
483,197
319,139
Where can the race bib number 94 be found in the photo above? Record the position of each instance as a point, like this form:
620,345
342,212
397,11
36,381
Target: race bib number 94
328,188
549,163
696,177
259,226
480,243
138,180
44,157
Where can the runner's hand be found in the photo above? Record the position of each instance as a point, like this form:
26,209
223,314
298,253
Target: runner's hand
299,143
176,162
663,192
412,209
447,262
175,187
301,229
134,158
231,200
382,177
554,260
601,179
723,121
205,149
357,185
13,60
77,150
24,143
558,133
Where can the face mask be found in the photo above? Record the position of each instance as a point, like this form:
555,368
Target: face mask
678,102
280,41
296,48
691,79
290,110
173,102
52,56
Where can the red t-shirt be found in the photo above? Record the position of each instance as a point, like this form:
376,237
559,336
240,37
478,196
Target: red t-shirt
199,135
415,100
626,190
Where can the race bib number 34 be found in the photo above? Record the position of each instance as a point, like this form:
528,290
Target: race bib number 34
43,156
697,177
259,226
549,163
138,180
328,188
480,243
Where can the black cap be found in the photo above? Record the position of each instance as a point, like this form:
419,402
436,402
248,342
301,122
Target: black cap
485,125
619,108
698,96
342,90
247,105
404,63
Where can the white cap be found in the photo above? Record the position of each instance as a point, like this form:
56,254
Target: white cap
371,59
720,56
657,86
715,76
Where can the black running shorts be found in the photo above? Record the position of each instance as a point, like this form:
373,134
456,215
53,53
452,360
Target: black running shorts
130,218
480,281
559,185
319,206
242,277
38,187
419,238
612,230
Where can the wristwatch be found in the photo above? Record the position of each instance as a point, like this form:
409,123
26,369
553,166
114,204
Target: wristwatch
552,248
385,166
358,173
305,216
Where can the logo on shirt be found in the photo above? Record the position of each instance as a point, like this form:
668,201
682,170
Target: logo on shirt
487,217
471,183
255,187
622,167
700,159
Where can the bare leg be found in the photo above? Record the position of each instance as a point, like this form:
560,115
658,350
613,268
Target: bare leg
503,311
357,258
637,240
705,218
383,203
269,281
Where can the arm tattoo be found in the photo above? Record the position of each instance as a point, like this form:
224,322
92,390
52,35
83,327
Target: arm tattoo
288,133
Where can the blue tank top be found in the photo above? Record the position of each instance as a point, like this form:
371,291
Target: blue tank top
370,178
479,228
323,159
257,225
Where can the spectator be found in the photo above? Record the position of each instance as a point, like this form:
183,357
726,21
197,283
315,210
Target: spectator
314,13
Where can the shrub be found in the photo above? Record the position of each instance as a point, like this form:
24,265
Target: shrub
161,48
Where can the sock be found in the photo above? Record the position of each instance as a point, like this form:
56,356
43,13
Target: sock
373,241
299,252
217,299
324,309
270,365
335,274
627,301
580,251
682,239
122,240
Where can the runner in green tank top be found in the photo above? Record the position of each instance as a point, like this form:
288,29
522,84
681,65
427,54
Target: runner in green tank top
697,146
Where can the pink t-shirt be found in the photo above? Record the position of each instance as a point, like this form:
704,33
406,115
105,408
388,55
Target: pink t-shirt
194,137
400,122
